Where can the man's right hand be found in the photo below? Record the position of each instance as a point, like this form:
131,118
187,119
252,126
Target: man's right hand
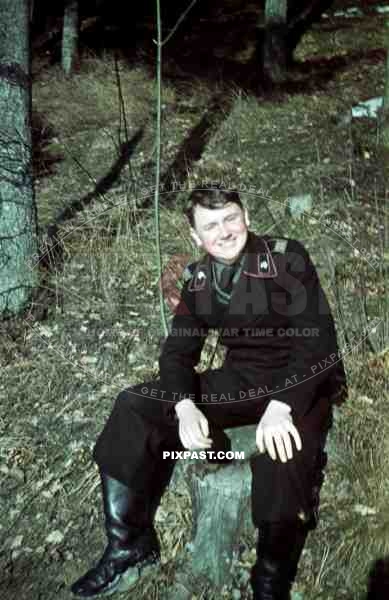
275,430
193,426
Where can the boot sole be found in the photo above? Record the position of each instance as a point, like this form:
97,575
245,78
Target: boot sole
129,578
126,580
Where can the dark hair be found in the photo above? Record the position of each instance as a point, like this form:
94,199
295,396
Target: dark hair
210,196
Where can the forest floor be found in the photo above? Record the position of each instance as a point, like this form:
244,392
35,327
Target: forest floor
60,376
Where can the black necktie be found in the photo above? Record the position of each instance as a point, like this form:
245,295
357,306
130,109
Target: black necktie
226,276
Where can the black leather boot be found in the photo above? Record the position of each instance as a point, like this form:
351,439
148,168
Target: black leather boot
279,548
132,541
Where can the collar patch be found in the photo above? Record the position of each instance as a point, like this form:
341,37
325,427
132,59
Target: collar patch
263,263
264,266
198,280
280,246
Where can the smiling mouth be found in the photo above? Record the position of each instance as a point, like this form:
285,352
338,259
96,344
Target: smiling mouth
228,243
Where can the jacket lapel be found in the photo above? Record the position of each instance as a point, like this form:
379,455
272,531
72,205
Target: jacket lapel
250,295
200,285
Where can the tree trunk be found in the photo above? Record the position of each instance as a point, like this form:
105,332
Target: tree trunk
274,44
70,36
300,18
286,21
18,241
385,119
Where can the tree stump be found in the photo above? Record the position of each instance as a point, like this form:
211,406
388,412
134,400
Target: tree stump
221,511
221,506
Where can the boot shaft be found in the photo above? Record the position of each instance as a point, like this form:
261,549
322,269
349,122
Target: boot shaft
132,540
279,547
127,513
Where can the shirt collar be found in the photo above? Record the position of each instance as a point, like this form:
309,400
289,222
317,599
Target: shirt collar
257,261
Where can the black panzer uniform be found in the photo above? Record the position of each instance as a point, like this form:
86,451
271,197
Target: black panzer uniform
278,333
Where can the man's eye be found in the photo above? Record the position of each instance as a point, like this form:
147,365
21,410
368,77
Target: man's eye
209,227
232,217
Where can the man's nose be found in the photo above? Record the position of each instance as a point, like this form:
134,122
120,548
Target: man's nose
224,231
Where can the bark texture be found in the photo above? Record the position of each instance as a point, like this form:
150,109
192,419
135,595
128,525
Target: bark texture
221,505
70,36
18,242
274,48
385,118
286,21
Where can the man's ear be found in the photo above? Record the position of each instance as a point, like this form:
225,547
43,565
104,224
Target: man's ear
195,238
246,217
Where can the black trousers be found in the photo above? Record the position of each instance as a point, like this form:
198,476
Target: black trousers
130,449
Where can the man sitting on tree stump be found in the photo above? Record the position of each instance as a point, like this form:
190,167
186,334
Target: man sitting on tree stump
281,371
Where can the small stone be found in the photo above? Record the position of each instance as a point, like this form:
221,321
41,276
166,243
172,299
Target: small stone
299,204
366,399
16,542
364,510
55,537
368,108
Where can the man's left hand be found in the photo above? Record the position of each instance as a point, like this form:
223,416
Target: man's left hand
275,427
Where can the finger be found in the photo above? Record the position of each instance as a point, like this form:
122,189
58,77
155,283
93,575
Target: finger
288,445
278,438
198,439
199,436
189,437
184,439
203,444
204,426
296,436
259,440
269,442
203,429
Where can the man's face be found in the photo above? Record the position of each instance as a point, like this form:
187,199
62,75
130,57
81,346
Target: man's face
222,232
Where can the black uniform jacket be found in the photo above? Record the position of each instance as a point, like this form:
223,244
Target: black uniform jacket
277,330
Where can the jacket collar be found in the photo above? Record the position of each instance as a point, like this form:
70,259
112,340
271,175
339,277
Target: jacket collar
258,263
